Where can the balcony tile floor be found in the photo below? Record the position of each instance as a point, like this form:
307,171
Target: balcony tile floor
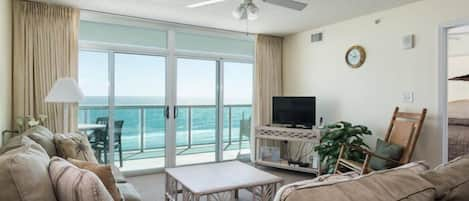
154,158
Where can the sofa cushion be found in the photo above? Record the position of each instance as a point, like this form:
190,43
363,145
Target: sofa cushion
416,166
330,179
390,185
128,192
74,184
104,172
16,142
43,137
451,180
24,173
74,145
386,150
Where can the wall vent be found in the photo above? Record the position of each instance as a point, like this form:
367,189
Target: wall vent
316,37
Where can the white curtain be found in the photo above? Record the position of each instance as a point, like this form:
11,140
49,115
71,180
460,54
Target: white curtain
268,77
45,48
268,80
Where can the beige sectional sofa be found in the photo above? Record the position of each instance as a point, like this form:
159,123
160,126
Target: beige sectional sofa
412,182
24,170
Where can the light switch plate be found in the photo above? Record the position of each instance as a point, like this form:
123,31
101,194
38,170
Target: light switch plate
408,97
408,42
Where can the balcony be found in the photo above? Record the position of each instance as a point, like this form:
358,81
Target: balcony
143,134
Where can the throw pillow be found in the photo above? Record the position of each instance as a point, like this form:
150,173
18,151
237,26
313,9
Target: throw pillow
74,145
386,150
43,137
24,173
72,183
104,172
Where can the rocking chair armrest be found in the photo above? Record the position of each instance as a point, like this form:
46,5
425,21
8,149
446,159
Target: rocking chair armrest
370,153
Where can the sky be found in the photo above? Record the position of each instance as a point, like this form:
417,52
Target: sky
144,76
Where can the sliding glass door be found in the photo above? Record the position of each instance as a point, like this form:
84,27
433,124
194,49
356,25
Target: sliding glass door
237,109
93,76
196,111
163,96
139,99
210,111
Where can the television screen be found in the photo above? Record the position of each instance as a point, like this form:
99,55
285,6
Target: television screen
294,111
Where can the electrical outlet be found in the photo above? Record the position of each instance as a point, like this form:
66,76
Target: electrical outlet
408,97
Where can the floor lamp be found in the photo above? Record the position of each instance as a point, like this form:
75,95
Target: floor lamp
65,91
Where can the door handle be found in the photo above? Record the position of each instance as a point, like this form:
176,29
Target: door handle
166,112
175,112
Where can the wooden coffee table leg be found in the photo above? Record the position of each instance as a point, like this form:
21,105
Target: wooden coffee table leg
264,192
187,195
196,198
171,189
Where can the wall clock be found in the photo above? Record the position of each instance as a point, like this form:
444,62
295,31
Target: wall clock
355,56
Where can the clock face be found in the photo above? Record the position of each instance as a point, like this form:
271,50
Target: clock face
355,56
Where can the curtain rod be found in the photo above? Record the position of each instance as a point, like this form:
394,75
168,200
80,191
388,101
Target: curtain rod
169,23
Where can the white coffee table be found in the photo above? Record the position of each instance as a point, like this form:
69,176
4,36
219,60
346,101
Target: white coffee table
219,181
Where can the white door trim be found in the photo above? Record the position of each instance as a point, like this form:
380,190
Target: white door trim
443,81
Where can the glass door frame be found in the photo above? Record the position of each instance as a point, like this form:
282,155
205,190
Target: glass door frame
219,96
218,107
171,55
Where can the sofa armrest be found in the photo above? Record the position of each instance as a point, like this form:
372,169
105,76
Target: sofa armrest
118,176
128,192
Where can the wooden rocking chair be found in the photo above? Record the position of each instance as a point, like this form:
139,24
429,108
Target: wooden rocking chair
404,130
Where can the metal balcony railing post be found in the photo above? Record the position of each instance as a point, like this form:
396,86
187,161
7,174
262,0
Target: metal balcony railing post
142,129
189,127
87,112
229,125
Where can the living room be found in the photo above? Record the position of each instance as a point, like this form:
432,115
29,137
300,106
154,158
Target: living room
192,92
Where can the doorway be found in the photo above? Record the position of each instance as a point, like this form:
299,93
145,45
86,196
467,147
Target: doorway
454,57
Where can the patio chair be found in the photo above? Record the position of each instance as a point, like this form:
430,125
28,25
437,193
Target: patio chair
101,142
244,131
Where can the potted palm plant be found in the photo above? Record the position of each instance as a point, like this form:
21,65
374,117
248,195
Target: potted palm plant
338,134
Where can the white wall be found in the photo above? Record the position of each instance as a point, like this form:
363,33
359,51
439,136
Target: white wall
5,63
368,95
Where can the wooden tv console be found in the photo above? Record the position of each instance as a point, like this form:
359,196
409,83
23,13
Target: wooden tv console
308,137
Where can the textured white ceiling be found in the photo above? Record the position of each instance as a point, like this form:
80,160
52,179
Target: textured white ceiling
273,19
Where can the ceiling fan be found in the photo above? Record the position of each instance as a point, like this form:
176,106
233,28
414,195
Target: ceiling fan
248,10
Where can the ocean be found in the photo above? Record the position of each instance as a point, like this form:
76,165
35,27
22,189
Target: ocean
202,121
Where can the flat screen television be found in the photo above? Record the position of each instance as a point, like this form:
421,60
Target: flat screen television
294,111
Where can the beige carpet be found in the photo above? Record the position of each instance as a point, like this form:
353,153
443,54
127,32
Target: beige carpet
151,187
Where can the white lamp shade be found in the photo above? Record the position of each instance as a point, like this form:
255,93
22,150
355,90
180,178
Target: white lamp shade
65,90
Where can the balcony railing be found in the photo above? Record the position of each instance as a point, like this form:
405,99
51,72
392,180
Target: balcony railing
144,125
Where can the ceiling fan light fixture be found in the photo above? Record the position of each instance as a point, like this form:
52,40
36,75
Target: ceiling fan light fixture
252,11
247,10
239,12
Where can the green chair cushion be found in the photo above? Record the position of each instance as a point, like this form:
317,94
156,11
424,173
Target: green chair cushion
387,150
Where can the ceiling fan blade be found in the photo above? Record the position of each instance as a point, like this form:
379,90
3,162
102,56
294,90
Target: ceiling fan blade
204,3
295,5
